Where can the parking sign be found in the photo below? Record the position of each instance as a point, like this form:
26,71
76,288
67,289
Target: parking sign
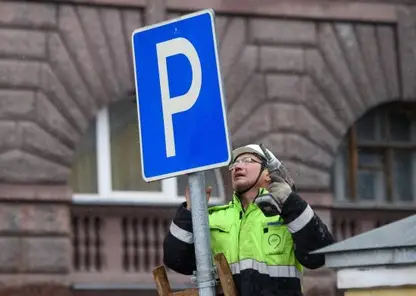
181,108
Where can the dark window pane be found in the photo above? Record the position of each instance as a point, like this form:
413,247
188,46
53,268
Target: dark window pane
340,173
370,159
400,126
125,150
83,178
402,175
366,127
366,185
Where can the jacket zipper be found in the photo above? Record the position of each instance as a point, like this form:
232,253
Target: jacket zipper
239,231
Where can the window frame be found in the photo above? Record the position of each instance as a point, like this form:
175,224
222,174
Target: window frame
106,195
387,197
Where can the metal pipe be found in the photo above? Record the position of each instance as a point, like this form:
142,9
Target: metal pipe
205,277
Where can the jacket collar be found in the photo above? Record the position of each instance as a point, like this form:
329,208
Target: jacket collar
236,201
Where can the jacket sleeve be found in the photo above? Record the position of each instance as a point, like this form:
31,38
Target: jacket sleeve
178,245
308,231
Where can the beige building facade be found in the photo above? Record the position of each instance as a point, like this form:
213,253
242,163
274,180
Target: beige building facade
329,86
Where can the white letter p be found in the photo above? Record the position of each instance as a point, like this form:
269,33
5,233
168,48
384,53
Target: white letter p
181,103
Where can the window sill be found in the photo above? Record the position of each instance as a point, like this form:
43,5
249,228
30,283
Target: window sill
410,206
135,199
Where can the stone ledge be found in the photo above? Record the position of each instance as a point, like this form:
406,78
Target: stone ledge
36,289
10,280
41,193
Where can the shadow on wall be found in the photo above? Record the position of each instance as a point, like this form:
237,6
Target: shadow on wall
35,290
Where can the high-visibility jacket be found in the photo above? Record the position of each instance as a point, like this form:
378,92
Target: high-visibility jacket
266,254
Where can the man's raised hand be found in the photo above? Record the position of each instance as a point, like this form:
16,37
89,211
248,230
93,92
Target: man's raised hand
188,196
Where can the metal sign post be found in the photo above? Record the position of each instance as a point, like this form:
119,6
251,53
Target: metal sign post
181,115
205,277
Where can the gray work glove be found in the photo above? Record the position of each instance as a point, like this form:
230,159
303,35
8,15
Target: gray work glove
281,183
279,189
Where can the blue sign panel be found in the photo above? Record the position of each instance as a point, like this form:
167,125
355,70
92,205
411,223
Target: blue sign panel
181,112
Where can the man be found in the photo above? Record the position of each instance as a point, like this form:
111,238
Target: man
266,250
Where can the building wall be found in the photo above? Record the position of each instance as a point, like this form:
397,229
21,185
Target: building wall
295,76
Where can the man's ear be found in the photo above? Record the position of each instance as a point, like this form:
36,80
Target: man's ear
268,179
267,176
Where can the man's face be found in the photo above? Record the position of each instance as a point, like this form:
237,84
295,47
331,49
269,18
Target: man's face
244,171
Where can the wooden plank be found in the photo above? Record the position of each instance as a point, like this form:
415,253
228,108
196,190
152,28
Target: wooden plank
373,168
389,174
388,159
225,275
161,281
353,163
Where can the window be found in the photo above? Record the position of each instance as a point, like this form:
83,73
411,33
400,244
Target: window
107,165
376,163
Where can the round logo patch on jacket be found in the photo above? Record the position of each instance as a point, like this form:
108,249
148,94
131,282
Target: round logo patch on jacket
274,240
